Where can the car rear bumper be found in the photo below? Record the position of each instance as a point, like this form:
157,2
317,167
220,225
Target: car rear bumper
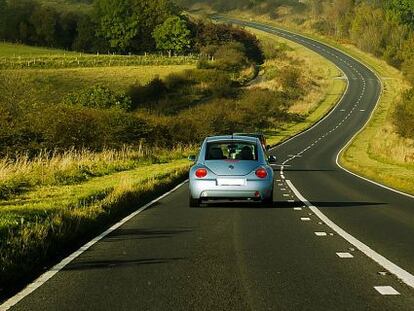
253,189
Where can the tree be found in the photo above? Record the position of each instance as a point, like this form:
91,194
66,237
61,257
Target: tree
129,24
172,35
405,9
44,20
17,26
3,7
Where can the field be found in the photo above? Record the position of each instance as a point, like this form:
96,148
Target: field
53,84
55,73
378,152
326,88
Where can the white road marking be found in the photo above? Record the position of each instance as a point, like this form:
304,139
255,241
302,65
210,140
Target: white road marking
297,208
321,234
402,274
291,201
386,290
345,255
305,219
286,195
54,270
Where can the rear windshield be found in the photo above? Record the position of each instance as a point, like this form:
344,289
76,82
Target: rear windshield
243,151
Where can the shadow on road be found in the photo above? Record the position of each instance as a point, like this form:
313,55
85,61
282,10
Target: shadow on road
307,170
251,205
287,205
345,204
115,263
131,234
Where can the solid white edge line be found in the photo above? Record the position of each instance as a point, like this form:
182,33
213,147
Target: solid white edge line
58,267
400,273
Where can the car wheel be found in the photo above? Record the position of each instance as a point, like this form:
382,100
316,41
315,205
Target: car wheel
194,202
268,201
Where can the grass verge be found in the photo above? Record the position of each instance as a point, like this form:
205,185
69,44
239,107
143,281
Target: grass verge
40,225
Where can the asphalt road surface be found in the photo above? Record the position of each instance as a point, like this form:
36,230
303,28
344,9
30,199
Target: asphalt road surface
242,257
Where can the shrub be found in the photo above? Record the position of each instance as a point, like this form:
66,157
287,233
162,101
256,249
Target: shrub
147,95
404,115
99,97
230,57
271,50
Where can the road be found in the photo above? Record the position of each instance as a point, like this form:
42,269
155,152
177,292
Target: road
242,257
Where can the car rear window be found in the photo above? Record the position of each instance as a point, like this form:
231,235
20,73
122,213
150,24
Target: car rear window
239,150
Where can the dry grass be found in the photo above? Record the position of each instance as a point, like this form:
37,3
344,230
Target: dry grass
22,174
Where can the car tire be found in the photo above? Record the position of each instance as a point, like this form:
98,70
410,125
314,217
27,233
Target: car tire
268,201
194,202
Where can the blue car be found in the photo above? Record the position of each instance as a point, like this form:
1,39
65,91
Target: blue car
231,168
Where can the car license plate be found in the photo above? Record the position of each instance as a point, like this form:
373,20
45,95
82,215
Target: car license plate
231,182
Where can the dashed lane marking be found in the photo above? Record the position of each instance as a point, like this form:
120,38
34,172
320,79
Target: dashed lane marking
345,255
386,290
391,267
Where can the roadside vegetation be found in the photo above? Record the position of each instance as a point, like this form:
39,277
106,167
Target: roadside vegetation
380,33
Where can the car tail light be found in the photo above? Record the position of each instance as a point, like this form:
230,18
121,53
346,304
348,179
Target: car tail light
261,173
201,173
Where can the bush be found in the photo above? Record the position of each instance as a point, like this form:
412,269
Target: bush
230,57
272,51
99,97
147,95
404,115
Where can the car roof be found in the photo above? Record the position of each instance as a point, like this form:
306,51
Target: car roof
232,137
249,134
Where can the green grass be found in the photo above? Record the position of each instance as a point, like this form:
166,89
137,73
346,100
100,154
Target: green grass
52,74
21,50
320,100
18,56
53,84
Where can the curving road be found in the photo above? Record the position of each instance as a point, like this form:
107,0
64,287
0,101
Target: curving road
333,241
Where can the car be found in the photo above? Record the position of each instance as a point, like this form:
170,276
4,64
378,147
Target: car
231,168
261,137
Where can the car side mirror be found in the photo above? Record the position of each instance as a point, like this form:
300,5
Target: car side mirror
192,158
272,159
268,147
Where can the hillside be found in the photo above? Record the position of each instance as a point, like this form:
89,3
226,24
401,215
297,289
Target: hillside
385,150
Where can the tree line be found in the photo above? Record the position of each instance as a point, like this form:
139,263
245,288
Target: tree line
383,28
120,26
